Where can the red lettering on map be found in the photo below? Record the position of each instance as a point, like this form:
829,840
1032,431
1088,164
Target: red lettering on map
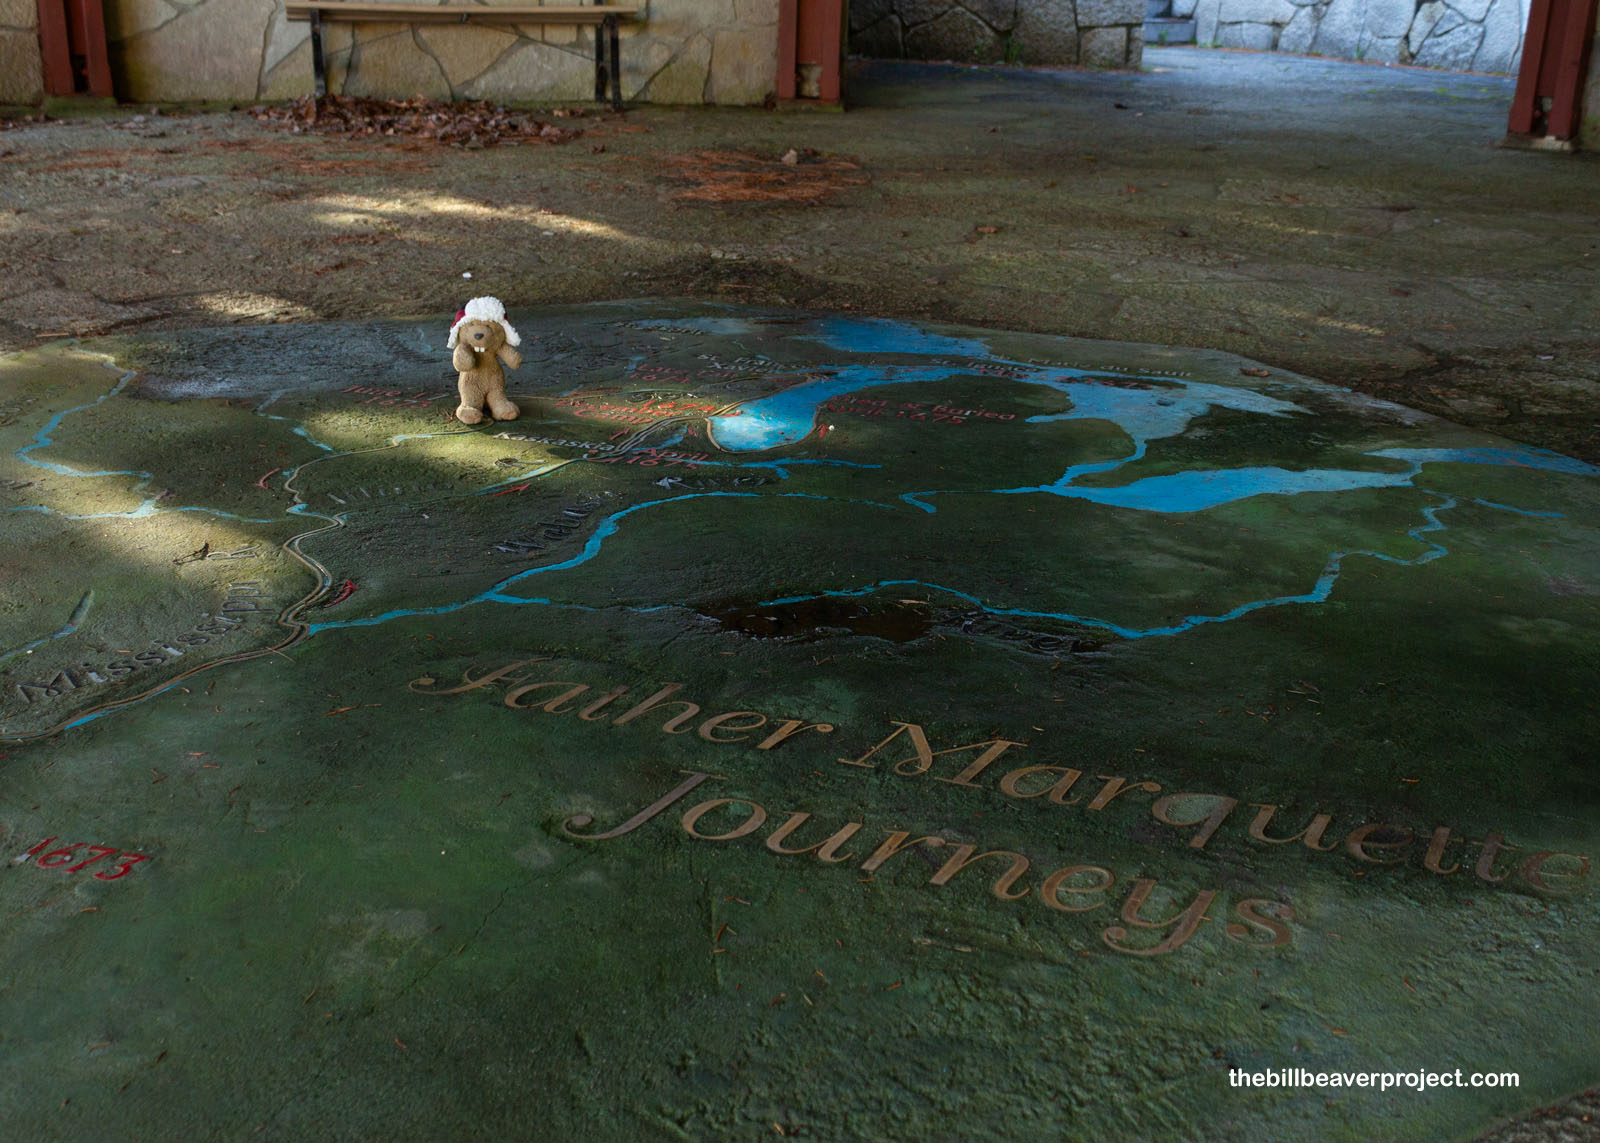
911,411
420,398
68,853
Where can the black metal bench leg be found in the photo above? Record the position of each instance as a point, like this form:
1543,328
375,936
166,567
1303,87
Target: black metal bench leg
319,65
599,65
616,64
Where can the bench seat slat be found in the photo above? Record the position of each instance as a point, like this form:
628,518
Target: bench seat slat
361,11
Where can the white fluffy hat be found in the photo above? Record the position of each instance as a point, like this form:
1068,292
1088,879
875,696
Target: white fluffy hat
484,309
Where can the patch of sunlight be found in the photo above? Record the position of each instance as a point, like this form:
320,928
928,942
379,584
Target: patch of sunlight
138,526
358,210
1351,326
1297,315
1268,224
351,219
244,304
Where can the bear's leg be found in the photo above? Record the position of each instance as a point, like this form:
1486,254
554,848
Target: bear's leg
470,411
501,406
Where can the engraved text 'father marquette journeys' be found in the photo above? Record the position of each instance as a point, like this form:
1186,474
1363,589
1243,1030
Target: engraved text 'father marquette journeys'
909,753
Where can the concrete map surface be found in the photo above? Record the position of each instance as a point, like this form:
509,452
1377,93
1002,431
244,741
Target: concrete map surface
788,725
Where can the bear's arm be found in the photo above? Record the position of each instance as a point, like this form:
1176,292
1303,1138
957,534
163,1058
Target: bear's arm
463,359
510,356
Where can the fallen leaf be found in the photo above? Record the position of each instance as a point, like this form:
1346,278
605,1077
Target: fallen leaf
461,124
742,176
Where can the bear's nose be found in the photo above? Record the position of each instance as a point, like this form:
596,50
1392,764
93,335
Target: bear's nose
478,336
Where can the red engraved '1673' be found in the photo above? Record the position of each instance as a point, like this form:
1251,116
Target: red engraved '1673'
68,853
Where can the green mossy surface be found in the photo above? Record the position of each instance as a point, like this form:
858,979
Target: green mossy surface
369,909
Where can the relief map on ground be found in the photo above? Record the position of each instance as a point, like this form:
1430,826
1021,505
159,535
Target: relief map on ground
789,725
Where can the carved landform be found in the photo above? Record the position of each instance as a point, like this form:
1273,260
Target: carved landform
834,725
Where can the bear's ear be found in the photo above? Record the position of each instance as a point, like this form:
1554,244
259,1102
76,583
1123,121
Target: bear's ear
463,358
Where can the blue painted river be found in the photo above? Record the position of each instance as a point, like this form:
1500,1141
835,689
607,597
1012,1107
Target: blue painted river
1164,407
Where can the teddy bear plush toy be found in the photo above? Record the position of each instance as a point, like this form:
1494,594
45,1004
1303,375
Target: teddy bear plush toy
481,339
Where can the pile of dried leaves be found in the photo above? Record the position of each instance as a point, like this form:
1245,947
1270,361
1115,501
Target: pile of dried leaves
805,176
471,125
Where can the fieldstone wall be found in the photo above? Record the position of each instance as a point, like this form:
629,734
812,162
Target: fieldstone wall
1461,35
21,65
1089,33
681,51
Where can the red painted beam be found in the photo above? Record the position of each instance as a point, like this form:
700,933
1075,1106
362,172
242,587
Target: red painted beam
1567,97
788,24
821,43
72,42
88,21
55,45
1555,60
810,40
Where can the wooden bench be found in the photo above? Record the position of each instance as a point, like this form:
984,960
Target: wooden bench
602,17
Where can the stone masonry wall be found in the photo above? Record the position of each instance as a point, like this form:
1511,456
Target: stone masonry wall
1458,35
21,65
682,51
1090,33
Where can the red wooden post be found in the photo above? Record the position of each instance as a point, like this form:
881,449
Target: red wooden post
819,45
1555,58
788,20
72,40
56,47
87,21
810,49
1567,98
